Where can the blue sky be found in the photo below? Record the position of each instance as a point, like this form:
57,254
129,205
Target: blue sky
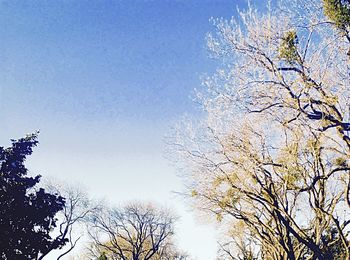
103,81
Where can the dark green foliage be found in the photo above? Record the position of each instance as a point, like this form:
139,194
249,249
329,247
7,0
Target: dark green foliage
27,214
288,49
338,11
333,246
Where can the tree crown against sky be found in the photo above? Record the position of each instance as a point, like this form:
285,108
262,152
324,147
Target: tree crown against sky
270,160
270,156
135,231
27,213
35,221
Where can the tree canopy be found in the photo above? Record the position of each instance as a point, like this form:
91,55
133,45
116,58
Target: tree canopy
136,231
270,157
27,213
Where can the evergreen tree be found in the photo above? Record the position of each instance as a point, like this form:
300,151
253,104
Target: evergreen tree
27,213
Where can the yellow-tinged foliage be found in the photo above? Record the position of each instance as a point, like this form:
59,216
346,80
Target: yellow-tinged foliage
288,49
338,11
194,193
219,217
291,178
341,161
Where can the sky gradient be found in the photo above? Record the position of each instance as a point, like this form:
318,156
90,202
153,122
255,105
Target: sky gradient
104,81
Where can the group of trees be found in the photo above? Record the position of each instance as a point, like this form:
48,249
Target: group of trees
270,158
34,221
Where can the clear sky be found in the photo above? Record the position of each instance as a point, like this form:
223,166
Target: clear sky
103,81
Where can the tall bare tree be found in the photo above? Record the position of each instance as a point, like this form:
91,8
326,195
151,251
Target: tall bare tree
271,155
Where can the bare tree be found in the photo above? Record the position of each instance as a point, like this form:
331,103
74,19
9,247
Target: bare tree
272,151
71,219
136,231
